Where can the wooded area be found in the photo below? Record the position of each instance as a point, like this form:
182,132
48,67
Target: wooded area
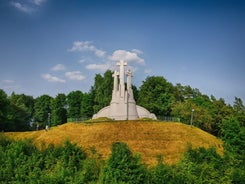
20,112
22,162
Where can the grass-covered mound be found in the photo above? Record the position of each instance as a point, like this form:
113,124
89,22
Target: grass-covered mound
150,139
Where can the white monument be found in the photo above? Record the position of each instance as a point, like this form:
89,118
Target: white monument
123,106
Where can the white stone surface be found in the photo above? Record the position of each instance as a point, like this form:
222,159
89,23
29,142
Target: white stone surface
123,106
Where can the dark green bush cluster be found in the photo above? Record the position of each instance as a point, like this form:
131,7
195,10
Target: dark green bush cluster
22,162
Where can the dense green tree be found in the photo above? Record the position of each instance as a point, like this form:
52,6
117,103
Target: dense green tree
123,167
161,173
74,101
42,108
201,166
17,119
201,117
20,112
136,93
102,90
178,92
184,92
59,111
96,92
87,105
4,106
234,135
155,95
220,111
239,111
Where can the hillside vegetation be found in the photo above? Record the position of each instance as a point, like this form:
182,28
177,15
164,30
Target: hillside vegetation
150,139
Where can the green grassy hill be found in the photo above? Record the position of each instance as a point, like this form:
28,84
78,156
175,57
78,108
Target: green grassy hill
147,138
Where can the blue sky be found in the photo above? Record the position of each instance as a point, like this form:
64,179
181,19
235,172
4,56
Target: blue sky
57,46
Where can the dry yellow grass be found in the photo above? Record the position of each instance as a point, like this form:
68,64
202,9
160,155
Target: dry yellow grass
147,138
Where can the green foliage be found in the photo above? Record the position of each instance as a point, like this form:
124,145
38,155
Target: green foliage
123,167
15,112
234,136
208,113
155,95
239,111
160,174
42,107
220,111
91,170
202,166
4,103
102,90
59,112
22,162
201,116
87,105
74,101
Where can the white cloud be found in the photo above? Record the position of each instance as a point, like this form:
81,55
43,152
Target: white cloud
75,75
51,78
38,2
86,46
127,56
147,71
59,67
100,67
82,60
28,7
8,81
137,51
22,7
106,61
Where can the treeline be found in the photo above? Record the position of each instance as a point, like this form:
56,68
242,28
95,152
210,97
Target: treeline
20,112
22,162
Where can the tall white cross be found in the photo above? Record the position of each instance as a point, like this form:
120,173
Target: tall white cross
115,87
129,79
121,76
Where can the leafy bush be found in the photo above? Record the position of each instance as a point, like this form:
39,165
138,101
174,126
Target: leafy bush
123,167
22,162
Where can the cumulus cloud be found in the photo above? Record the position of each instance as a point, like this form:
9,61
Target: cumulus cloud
38,2
51,78
105,61
126,56
27,6
82,60
137,51
79,46
75,75
59,67
22,7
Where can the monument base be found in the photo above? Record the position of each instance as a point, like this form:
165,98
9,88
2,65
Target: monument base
141,113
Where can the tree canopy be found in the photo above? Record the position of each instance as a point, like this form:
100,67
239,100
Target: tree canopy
20,112
22,162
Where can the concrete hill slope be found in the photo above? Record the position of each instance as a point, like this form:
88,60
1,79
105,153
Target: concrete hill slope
147,138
